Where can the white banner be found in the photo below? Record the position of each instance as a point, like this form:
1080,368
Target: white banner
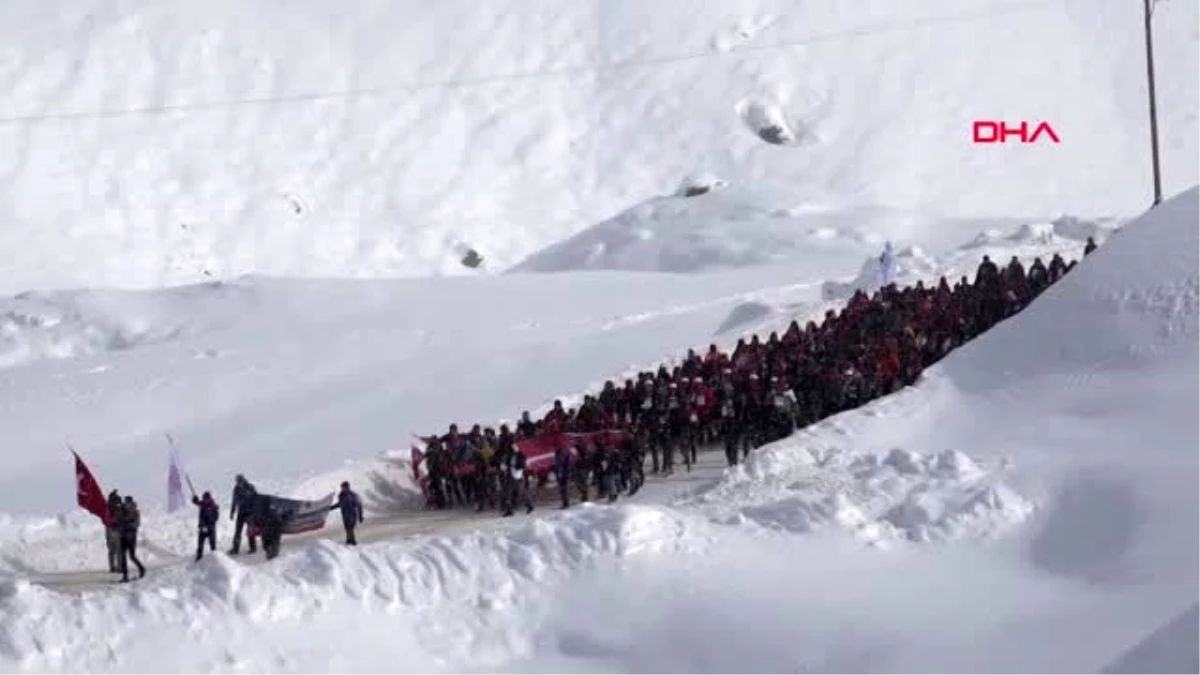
175,474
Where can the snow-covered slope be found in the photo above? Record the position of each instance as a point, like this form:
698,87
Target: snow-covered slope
736,226
1053,461
146,143
286,378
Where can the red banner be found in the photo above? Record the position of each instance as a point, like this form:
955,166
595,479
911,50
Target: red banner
538,451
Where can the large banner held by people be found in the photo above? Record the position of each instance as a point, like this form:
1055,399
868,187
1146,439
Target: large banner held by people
306,515
538,451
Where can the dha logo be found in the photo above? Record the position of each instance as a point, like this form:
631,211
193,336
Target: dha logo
987,131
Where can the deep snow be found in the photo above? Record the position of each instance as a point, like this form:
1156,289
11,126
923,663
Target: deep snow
145,143
1045,482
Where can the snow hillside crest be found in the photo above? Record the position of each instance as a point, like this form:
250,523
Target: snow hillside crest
1137,295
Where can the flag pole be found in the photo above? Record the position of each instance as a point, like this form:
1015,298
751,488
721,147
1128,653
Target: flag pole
1148,13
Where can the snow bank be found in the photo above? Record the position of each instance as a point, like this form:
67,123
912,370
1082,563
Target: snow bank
614,589
482,588
812,482
71,324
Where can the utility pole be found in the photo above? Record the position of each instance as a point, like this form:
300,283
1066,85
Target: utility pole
1149,11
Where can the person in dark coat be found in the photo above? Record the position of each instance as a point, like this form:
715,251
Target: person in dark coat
562,474
128,522
352,512
112,533
271,523
209,514
241,508
1090,246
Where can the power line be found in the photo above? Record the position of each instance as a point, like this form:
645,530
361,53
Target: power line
632,64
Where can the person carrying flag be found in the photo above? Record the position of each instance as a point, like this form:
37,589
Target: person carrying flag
209,514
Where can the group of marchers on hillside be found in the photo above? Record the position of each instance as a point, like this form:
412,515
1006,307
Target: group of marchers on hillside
760,393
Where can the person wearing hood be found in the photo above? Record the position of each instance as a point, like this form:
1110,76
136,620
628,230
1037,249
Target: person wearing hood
206,526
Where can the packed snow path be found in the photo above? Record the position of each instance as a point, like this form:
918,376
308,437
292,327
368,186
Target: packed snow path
658,489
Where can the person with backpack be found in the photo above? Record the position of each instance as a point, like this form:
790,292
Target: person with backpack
352,512
209,514
129,519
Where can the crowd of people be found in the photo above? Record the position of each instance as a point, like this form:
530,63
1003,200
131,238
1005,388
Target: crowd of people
761,392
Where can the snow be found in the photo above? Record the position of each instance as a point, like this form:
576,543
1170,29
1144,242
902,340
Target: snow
206,207
531,596
149,144
735,227
838,532
1044,472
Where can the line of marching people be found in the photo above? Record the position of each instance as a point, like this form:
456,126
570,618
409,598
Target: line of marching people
762,392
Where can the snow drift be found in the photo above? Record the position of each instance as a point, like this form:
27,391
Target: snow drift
739,227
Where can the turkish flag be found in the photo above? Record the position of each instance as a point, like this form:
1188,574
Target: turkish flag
88,493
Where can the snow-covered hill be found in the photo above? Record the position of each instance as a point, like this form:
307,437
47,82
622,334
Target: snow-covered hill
148,143
1053,461
286,378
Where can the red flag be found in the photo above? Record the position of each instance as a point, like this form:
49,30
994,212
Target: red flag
88,493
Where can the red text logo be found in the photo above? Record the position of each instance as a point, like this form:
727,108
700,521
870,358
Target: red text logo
988,131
